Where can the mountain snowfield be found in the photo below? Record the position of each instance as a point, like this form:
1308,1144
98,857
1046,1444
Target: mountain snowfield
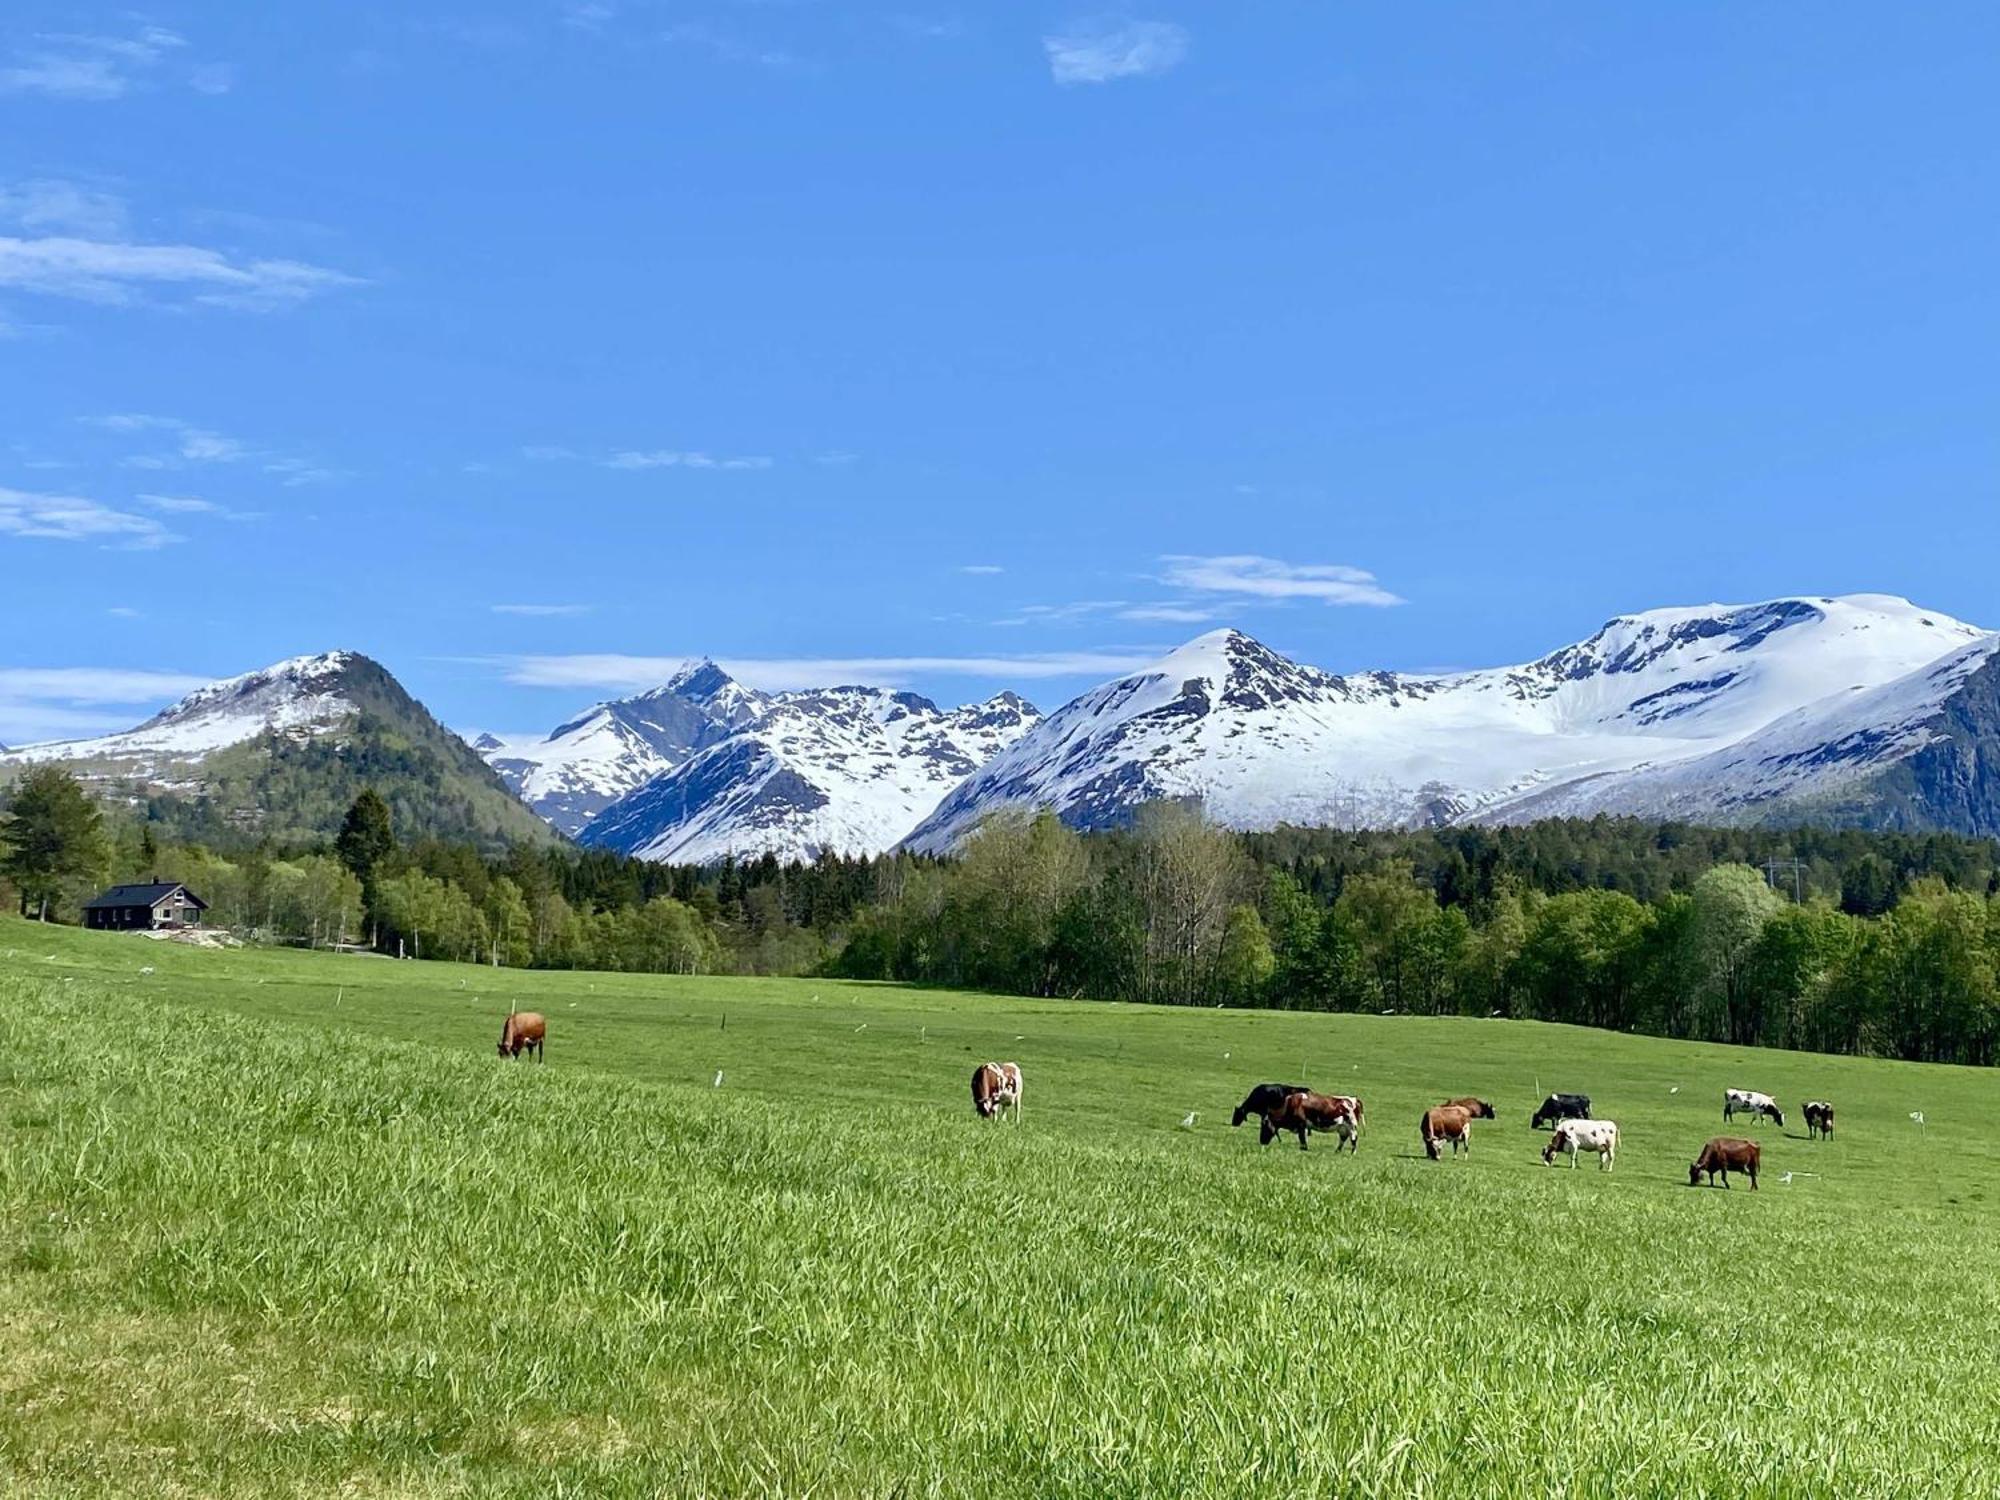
1718,712
301,697
1863,710
846,769
611,749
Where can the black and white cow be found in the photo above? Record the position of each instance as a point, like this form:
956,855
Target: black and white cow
1749,1102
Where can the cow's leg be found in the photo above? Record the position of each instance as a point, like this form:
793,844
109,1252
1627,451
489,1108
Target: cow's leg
1302,1137
1753,1179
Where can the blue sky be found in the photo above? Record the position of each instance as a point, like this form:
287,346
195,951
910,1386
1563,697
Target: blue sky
526,345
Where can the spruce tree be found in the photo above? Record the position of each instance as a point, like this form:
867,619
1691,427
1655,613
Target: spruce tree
53,836
366,836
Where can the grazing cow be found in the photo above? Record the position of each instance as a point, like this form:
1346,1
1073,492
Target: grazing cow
1479,1109
995,1086
1573,1136
1749,1102
1819,1119
1303,1111
1448,1122
1561,1107
1264,1101
523,1031
1726,1154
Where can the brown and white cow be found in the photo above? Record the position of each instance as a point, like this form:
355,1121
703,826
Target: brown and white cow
1573,1136
1749,1102
523,1031
995,1087
1447,1122
1819,1119
1726,1154
1303,1111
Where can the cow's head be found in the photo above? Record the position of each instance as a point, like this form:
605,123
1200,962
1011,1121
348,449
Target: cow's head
1694,1174
1549,1151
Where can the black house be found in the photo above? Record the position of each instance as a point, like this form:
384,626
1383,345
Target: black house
160,903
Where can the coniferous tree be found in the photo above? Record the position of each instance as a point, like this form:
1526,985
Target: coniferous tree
366,837
53,836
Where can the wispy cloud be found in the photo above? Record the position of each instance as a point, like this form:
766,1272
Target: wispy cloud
119,273
123,612
194,505
1170,614
636,459
1061,614
981,570
73,518
668,458
1100,51
1250,576
49,204
84,67
188,445
725,47
614,673
46,703
541,610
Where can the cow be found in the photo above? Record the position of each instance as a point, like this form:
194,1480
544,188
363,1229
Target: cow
1264,1101
996,1086
1561,1107
1819,1119
1749,1102
1304,1111
1573,1136
523,1031
1479,1109
1447,1122
1726,1154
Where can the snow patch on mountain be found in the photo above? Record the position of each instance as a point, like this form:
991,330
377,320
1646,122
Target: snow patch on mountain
582,767
847,769
1260,740
303,696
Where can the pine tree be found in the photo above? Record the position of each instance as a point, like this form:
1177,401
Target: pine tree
54,836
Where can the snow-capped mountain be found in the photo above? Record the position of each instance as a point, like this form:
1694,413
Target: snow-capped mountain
300,697
284,751
1720,711
580,768
849,769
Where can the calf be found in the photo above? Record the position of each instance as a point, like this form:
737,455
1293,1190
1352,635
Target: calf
1448,1122
1479,1109
995,1087
1726,1154
1749,1102
1561,1107
1573,1136
523,1031
1304,1111
1819,1119
1264,1101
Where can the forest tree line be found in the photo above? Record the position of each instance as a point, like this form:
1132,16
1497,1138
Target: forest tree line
1884,944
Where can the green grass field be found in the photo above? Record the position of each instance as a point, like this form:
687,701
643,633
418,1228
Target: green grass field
282,1224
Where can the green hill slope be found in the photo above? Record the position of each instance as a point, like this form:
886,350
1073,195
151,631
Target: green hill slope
282,1224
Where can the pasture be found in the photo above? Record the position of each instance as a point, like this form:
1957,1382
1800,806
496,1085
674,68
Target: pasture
282,1224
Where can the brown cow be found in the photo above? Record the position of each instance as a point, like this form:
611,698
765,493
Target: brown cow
1479,1109
1448,1122
1304,1111
1726,1154
994,1087
523,1031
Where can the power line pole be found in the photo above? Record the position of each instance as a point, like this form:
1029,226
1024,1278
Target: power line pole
1797,867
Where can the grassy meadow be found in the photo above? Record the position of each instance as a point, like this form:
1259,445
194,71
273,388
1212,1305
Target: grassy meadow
281,1224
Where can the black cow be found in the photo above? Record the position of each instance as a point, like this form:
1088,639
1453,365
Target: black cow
1561,1107
1264,1101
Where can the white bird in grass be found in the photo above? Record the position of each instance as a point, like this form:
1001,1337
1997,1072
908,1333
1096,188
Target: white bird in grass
1675,1089
718,1078
1917,1115
1188,1123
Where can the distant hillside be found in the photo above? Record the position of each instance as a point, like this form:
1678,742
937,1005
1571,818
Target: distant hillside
281,753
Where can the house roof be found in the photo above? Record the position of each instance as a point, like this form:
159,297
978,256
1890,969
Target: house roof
150,894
